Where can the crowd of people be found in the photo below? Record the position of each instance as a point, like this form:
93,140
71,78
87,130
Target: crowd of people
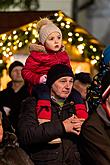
45,113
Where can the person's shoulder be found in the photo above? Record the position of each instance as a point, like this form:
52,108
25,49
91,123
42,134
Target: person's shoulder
92,122
29,100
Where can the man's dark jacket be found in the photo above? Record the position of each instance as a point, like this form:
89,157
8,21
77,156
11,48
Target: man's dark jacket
95,139
34,138
12,100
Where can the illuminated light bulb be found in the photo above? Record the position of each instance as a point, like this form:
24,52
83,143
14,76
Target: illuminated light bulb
9,44
7,49
97,57
59,18
10,37
70,39
34,25
20,44
62,24
26,32
91,46
1,43
94,49
4,48
68,22
55,14
3,36
1,61
93,61
29,28
34,31
15,47
10,53
7,55
67,26
80,48
4,53
26,41
30,24
70,34
15,37
33,40
17,41
80,39
14,32
77,34
92,57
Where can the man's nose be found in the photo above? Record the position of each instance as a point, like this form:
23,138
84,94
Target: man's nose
67,85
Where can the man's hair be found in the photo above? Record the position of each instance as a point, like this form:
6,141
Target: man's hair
83,77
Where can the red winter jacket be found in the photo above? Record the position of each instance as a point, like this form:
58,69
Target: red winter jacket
39,62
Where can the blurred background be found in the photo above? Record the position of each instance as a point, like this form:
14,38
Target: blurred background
84,24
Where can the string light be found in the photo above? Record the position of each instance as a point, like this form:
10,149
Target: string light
12,41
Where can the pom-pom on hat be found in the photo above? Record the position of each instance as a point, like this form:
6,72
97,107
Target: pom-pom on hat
105,85
57,71
45,27
83,77
13,65
106,55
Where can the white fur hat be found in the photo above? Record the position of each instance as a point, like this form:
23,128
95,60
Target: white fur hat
45,27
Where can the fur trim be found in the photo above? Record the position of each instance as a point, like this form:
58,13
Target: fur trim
43,22
41,48
36,47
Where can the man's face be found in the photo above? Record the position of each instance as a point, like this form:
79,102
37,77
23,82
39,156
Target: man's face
62,87
16,74
81,88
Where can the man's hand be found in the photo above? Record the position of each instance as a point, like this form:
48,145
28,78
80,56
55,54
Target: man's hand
73,125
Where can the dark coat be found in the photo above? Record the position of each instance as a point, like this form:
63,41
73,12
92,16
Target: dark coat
34,138
10,152
95,141
12,100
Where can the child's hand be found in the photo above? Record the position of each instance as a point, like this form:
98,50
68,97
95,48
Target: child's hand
43,79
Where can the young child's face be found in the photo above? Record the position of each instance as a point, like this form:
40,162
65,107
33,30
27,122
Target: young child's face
54,41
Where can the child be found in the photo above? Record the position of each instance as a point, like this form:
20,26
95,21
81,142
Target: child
43,56
49,52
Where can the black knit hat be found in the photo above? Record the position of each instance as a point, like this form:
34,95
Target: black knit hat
105,85
14,64
83,77
57,71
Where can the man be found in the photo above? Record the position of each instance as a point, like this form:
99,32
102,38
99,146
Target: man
35,138
81,82
16,91
95,134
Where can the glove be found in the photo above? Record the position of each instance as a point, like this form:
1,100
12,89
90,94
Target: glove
43,79
41,92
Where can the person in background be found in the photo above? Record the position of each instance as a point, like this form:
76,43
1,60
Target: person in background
81,83
94,91
10,152
94,141
16,91
64,124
